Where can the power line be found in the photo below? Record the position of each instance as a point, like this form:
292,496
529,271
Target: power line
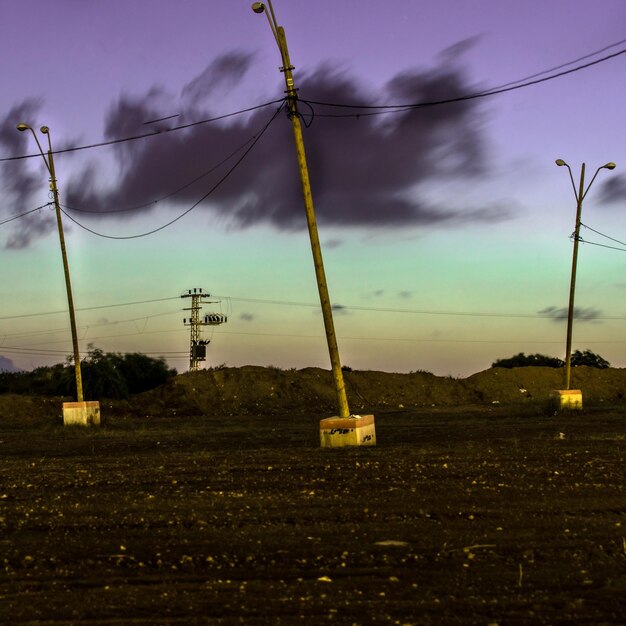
558,67
601,245
410,339
509,86
193,206
42,352
169,195
597,232
25,350
145,135
408,311
15,217
390,108
87,327
302,304
89,308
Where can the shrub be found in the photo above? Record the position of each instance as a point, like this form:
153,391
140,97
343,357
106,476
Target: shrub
522,360
105,375
590,359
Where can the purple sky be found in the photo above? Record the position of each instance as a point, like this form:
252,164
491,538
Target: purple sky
440,211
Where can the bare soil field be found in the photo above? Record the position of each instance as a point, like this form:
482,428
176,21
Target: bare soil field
179,510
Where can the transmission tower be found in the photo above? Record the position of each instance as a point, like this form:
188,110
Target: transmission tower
197,345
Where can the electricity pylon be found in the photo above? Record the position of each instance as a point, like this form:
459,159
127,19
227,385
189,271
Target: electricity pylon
197,345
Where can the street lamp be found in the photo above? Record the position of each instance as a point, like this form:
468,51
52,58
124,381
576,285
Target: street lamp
55,194
580,196
292,99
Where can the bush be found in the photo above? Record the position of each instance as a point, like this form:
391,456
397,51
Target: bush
105,375
590,359
521,360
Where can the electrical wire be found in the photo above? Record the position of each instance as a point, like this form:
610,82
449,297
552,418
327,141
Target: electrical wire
597,232
145,135
407,339
192,207
89,308
169,195
525,82
25,350
378,109
88,327
15,217
409,311
601,245
309,305
558,67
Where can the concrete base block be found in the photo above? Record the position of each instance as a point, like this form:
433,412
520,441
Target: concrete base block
81,413
356,430
568,399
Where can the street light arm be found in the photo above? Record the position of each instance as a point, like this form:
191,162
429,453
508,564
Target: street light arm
272,22
46,131
22,127
571,177
602,167
269,4
277,31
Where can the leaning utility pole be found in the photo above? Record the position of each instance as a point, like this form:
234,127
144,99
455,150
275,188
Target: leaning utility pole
197,345
316,249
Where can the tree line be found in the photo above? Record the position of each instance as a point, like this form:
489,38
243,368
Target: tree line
105,375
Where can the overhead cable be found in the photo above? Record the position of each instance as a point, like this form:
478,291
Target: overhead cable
493,91
562,65
88,308
409,311
378,109
597,232
601,245
145,135
169,195
193,206
15,217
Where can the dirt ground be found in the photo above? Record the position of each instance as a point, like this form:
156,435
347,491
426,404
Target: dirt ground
477,514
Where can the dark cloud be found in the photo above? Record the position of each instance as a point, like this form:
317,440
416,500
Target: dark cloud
247,317
559,314
365,172
332,243
221,74
614,189
405,294
21,179
340,309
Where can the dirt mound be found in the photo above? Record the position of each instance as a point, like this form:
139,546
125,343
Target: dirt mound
527,383
269,391
253,390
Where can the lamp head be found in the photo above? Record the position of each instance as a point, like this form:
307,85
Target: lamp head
22,127
560,162
45,130
609,166
258,7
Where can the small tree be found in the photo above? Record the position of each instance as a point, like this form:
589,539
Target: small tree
116,376
590,359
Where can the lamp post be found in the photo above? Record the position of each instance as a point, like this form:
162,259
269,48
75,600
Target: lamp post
55,194
580,194
292,98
